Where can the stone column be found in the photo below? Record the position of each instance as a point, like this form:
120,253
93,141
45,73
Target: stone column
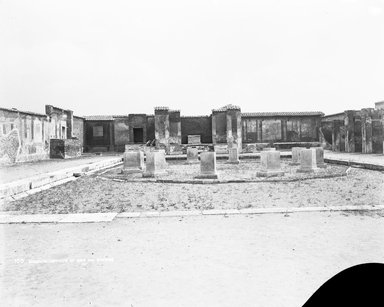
229,131
233,157
213,129
336,137
366,131
162,127
270,164
259,127
349,131
69,124
207,165
284,130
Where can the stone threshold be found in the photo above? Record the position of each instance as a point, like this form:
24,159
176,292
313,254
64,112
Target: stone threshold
7,218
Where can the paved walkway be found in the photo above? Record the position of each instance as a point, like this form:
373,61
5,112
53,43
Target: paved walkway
375,159
239,260
31,169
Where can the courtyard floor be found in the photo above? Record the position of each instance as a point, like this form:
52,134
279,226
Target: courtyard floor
241,260
109,192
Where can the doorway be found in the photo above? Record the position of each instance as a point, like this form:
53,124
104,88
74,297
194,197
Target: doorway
138,135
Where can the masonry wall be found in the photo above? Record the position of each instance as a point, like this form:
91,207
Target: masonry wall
23,136
196,125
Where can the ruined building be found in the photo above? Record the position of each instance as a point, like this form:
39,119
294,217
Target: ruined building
28,136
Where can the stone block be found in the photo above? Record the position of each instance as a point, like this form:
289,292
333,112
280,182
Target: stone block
307,161
133,162
207,165
295,156
194,139
269,149
233,156
270,164
319,157
221,149
65,148
155,163
192,155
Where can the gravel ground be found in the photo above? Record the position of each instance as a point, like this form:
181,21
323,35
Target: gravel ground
257,260
97,194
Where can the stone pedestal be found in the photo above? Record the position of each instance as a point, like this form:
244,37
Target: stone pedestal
192,155
270,164
269,149
233,157
133,162
319,157
207,165
295,156
307,161
155,163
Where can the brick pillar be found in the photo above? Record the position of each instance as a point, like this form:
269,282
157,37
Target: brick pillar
213,128
366,131
284,130
162,127
229,130
349,131
69,124
259,127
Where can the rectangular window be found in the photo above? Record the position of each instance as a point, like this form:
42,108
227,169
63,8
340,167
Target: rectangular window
98,131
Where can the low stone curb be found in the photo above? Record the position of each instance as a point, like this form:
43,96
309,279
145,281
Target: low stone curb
108,217
369,166
148,214
256,155
218,181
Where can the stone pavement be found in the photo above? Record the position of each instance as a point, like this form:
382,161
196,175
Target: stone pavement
369,161
31,169
20,179
239,260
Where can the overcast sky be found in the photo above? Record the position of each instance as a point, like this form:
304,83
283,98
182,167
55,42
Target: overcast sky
120,57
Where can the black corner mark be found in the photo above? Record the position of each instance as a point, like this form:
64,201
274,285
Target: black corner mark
359,285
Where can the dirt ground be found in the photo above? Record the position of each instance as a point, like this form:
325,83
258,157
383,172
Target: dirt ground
256,260
102,194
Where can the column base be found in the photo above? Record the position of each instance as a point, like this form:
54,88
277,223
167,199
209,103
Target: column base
269,173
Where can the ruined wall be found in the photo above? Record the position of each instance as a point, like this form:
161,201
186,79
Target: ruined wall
219,127
24,136
121,133
150,127
65,148
196,125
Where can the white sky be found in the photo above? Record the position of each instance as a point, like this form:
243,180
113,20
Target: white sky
120,57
